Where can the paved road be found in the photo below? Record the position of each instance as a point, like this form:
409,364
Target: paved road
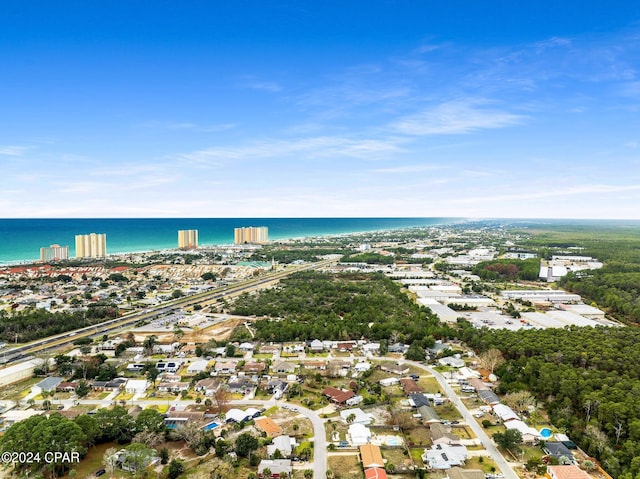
319,435
470,420
319,441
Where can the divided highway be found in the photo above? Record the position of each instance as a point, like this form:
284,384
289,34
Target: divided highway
20,353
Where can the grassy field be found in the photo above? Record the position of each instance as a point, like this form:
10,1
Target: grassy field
345,466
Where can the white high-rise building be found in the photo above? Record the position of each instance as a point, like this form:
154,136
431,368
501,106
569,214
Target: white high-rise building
251,235
188,239
55,252
93,245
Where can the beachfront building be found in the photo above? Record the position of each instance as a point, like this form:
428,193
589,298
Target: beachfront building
93,245
55,252
251,235
188,239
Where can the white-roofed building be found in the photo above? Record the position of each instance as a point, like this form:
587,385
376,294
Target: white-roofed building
198,367
529,434
504,412
359,416
359,434
136,386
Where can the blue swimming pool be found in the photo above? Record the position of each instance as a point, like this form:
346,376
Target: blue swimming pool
545,433
210,426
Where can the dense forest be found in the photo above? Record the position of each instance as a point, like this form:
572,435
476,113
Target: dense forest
588,379
32,323
508,269
311,305
615,287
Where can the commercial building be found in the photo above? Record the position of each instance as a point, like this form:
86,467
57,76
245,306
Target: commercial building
55,252
251,235
93,245
188,239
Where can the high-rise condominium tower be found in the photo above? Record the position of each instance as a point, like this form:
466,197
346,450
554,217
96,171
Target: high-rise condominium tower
251,235
91,246
55,252
187,239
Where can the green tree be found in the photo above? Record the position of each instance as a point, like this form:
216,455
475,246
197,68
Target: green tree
509,439
176,467
245,444
82,389
115,424
150,420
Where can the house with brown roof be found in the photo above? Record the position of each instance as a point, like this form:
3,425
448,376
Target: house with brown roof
409,386
266,425
338,396
567,472
254,367
371,456
375,473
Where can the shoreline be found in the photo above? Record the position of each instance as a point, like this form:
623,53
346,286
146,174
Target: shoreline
204,247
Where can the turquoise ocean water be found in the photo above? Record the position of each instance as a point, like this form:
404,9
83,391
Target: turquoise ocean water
21,239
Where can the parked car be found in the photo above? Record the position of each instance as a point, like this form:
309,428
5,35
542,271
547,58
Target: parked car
100,472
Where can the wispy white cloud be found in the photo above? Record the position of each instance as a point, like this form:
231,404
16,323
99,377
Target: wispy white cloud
551,193
317,147
14,150
176,125
456,117
268,86
407,169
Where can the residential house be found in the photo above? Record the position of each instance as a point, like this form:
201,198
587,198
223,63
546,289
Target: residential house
371,456
338,396
254,367
357,415
278,467
241,386
67,387
270,348
395,368
417,400
443,456
529,434
428,415
409,386
505,413
284,367
173,386
561,452
47,385
441,434
371,348
362,367
198,367
459,473
359,434
346,346
246,347
375,473
316,346
284,444
225,367
397,348
567,472
488,397
389,382
315,365
266,425
136,386
208,386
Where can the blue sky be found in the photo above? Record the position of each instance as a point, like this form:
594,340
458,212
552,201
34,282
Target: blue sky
301,108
